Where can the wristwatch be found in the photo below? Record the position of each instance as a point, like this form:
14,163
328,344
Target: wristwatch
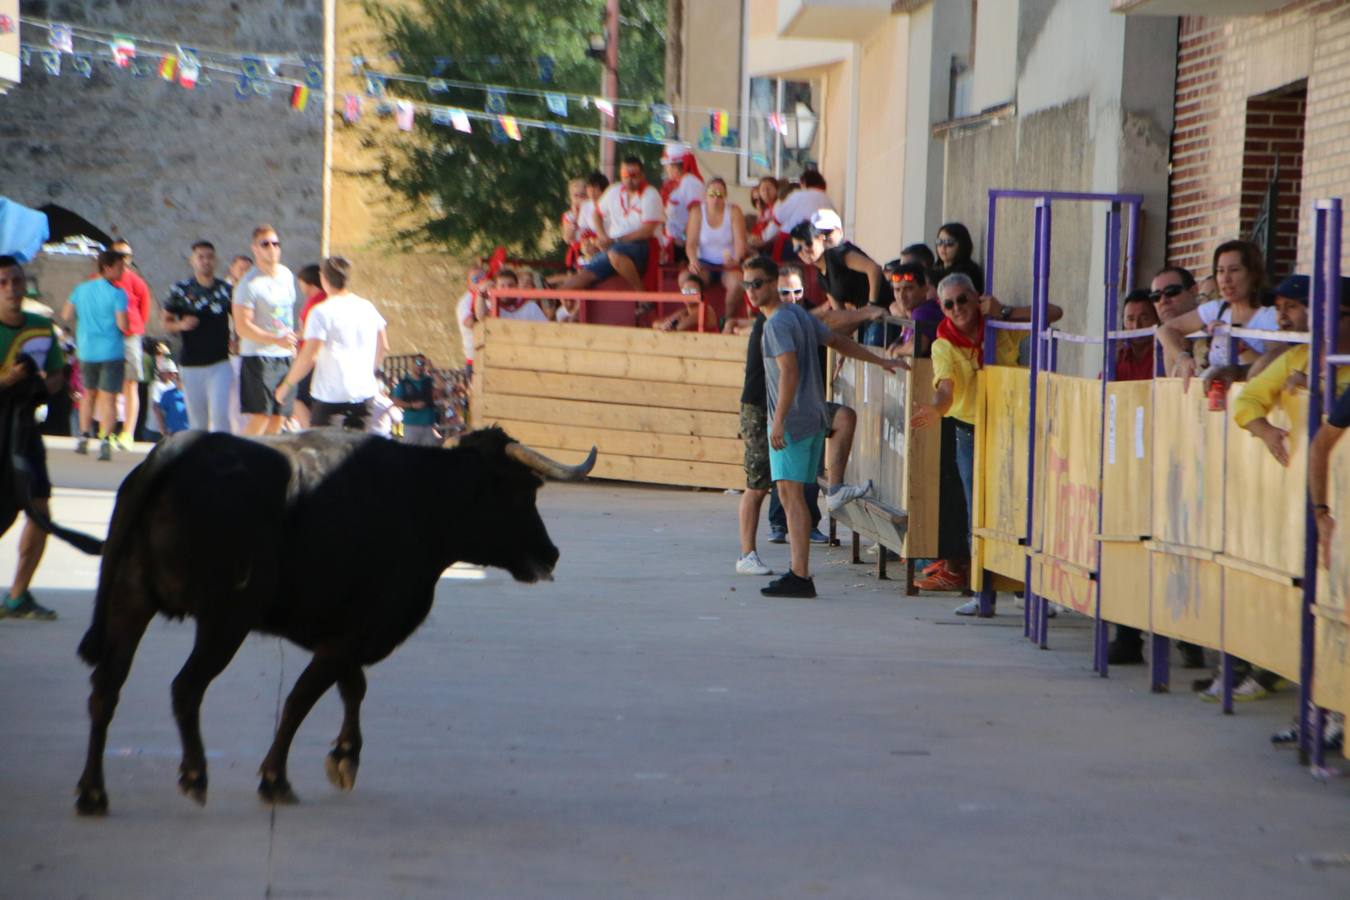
1005,313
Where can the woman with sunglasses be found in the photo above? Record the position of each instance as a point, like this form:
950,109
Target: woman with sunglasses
716,242
955,249
686,319
958,355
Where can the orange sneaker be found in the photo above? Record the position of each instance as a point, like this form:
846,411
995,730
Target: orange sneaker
943,580
937,565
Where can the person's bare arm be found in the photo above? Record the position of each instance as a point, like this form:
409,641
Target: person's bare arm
992,307
926,414
847,346
381,347
692,231
244,325
787,392
1172,335
845,321
68,313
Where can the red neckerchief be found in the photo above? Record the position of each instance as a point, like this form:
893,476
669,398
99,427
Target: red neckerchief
623,196
957,338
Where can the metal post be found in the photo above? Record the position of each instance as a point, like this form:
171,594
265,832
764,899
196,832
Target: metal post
1101,631
1040,277
991,232
1160,664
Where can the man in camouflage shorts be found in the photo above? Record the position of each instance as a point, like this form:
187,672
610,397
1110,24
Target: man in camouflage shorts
755,433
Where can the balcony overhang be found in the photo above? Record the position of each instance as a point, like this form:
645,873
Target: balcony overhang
1196,7
832,20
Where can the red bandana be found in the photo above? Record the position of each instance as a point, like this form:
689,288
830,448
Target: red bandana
957,338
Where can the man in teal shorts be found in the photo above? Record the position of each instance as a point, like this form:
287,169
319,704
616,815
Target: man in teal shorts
798,417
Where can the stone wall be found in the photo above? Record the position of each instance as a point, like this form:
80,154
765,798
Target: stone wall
162,166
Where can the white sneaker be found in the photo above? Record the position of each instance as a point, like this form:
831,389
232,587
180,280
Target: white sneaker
970,608
1051,610
751,564
847,493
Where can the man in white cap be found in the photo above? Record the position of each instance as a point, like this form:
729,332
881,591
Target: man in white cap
682,189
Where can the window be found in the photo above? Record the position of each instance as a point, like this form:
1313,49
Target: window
788,145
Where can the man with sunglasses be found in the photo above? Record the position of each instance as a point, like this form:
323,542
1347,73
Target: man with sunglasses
1173,292
797,415
913,300
264,315
958,355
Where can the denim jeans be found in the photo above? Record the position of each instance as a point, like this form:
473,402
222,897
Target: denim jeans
965,463
778,516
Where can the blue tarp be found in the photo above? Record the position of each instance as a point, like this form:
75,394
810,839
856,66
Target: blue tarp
23,231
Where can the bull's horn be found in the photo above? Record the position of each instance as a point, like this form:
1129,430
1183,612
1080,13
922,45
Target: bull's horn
550,468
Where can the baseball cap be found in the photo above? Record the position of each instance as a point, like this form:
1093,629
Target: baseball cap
823,220
1295,287
168,367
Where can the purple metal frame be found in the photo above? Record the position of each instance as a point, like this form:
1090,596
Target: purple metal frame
1045,357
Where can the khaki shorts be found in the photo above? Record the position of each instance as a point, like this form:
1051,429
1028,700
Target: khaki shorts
755,433
134,357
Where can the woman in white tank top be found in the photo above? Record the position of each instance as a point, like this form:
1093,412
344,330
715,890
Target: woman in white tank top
715,241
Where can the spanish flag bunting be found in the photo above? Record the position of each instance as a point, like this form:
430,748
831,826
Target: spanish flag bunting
168,67
511,127
189,68
299,97
721,123
124,50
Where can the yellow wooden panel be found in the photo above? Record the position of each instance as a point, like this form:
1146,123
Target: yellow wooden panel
1186,598
1333,583
1001,458
1127,486
620,417
728,451
1124,583
1063,585
655,471
617,339
922,462
1331,666
1261,621
1188,463
567,361
1004,558
612,390
1266,502
1069,451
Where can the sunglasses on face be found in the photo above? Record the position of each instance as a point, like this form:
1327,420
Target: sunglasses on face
946,242
955,302
716,194
791,292
689,291
1170,291
269,243
905,278
754,284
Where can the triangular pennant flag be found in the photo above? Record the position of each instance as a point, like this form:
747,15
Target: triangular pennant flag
261,88
384,109
351,109
168,67
557,104
496,101
299,97
252,67
358,63
243,87
440,117
460,119
403,115
313,75
83,64
51,61
657,130
123,50
189,67
604,106
141,69
778,123
545,68
760,160
436,86
662,112
270,63
61,38
511,127
374,85
705,138
497,134
559,135
6,24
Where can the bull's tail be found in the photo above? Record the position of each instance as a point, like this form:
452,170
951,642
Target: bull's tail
131,499
79,540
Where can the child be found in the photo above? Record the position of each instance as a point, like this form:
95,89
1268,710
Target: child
167,395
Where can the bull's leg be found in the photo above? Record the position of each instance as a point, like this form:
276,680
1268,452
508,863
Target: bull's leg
317,678
215,646
124,630
345,757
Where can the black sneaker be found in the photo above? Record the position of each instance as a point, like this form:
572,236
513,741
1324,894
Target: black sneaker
790,585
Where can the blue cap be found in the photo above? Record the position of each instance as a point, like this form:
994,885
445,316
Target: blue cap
1295,287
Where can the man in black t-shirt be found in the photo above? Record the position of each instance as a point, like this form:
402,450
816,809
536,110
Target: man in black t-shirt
851,278
755,432
198,311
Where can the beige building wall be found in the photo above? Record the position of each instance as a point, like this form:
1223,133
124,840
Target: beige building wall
882,89
414,290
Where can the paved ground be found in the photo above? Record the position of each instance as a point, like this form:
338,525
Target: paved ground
649,726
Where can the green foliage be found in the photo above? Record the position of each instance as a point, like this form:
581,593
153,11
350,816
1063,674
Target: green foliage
476,192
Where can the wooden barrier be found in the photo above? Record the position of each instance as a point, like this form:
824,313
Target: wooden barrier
1331,662
662,407
999,528
1127,503
903,513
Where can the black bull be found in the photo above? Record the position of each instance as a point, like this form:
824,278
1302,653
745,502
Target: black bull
330,539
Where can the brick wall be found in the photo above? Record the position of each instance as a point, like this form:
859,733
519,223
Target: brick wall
1274,137
1225,62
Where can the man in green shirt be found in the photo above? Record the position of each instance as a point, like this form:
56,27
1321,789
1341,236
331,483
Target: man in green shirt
27,344
416,396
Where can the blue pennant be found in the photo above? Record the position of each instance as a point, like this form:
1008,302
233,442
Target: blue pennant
545,69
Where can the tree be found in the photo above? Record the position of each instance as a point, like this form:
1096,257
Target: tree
478,190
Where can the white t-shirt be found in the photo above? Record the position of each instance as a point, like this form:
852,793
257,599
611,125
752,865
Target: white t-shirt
621,213
680,201
383,415
349,327
799,207
528,311
586,219
464,313
272,299
1265,319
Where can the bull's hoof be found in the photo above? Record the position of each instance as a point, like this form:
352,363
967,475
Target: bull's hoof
92,802
193,785
341,766
277,790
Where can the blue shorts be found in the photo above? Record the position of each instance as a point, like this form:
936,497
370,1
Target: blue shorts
799,460
600,266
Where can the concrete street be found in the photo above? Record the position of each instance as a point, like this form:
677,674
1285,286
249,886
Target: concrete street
650,726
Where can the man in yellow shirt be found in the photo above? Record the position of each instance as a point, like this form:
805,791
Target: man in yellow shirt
1286,371
958,355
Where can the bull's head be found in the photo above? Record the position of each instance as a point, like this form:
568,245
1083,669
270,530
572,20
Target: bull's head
512,535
